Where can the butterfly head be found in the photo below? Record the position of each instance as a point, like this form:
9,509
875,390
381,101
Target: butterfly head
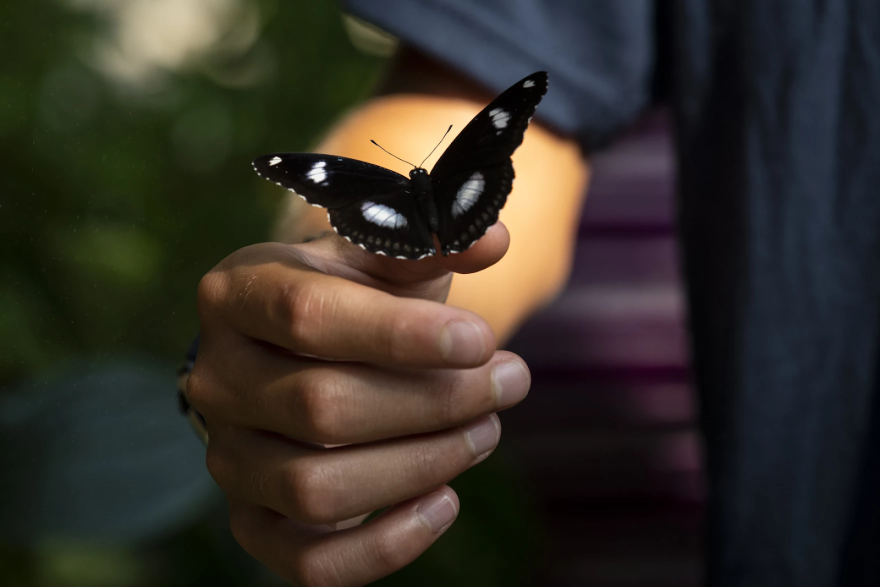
421,182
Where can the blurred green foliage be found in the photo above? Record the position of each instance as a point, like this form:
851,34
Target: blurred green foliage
491,544
114,201
115,198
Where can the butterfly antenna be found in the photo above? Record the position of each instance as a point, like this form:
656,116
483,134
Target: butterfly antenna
438,144
392,154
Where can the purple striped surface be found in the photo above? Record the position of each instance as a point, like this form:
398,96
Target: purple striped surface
606,439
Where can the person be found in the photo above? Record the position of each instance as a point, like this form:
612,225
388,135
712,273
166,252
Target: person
778,140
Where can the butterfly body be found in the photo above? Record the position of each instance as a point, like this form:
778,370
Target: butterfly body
421,183
389,214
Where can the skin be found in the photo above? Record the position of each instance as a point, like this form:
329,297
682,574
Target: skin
386,371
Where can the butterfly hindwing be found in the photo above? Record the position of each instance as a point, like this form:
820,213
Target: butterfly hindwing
384,224
469,204
327,180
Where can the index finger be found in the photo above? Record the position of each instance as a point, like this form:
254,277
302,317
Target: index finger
307,312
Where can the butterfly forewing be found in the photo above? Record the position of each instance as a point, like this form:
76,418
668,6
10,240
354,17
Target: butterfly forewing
494,134
327,180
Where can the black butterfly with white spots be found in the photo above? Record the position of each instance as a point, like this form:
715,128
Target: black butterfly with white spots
389,214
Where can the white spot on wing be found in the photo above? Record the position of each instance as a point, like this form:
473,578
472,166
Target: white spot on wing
317,173
382,215
528,84
275,161
499,117
468,194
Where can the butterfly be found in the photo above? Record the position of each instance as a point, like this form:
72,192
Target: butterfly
390,214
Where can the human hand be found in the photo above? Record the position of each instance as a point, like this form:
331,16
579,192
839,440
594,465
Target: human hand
336,347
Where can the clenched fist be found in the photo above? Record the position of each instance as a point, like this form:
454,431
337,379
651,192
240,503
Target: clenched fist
334,383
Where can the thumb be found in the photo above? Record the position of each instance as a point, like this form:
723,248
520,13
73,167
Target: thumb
487,251
334,255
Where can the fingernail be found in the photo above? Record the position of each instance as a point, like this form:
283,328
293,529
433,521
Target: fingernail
462,342
483,435
511,383
436,511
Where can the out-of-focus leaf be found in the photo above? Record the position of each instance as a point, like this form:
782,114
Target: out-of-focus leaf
84,564
98,450
109,253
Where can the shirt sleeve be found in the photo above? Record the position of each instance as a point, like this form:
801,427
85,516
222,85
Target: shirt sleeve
599,54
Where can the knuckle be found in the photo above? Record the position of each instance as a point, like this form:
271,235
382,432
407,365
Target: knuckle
300,568
200,388
242,527
300,305
388,337
306,569
211,289
400,345
453,403
321,406
429,467
312,491
389,553
460,399
218,464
